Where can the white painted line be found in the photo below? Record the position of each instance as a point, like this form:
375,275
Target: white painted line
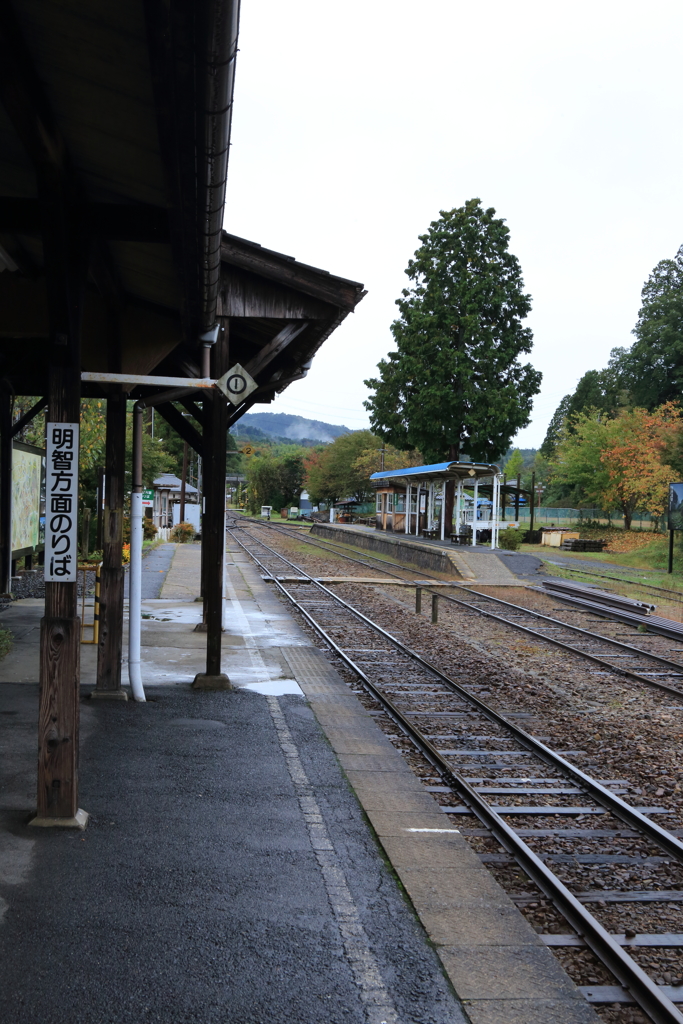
456,830
378,1003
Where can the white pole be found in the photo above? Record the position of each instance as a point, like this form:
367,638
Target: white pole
495,497
458,502
135,572
406,525
417,510
430,505
443,508
476,511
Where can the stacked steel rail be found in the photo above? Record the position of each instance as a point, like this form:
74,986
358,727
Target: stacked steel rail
395,675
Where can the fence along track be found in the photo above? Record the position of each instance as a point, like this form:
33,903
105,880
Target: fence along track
506,612
360,634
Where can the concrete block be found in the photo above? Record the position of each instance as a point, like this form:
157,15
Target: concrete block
218,682
80,820
506,972
531,1011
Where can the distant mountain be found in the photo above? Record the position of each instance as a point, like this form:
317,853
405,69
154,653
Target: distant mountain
283,424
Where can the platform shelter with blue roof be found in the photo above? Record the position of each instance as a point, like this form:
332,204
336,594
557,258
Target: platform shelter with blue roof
412,501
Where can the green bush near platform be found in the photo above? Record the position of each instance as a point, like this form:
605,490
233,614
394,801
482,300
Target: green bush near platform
183,533
510,539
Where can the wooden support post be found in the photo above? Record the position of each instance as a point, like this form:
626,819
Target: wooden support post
110,641
5,492
435,607
65,252
213,523
671,552
85,532
99,539
418,600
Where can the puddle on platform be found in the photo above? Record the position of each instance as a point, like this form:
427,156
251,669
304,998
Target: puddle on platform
189,611
275,687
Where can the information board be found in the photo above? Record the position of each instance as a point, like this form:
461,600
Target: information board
26,479
61,503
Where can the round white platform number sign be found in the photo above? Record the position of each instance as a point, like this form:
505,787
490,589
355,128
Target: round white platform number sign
236,384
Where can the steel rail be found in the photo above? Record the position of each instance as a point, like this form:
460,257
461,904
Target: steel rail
620,579
594,637
600,793
644,991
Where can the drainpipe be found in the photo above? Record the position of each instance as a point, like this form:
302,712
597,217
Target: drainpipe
135,574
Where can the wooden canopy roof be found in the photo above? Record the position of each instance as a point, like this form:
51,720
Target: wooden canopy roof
124,108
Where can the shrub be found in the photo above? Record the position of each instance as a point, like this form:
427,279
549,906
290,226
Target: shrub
510,539
182,533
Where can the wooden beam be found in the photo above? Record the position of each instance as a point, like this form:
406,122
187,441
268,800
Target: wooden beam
278,344
182,427
28,416
171,30
194,410
5,491
123,222
22,95
274,266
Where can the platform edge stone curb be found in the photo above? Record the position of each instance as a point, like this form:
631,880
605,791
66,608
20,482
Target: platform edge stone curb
452,892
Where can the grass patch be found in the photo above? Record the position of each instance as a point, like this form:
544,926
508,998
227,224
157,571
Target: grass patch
5,642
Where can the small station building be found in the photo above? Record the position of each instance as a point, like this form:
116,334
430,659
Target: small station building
412,501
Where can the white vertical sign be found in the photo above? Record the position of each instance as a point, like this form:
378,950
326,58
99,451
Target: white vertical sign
61,503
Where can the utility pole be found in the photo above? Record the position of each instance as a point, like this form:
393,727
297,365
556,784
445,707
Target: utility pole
183,484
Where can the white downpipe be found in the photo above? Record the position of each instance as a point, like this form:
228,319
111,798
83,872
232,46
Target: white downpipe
476,511
417,510
443,509
135,573
225,567
458,510
407,522
495,498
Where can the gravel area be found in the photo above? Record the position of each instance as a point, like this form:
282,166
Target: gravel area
620,730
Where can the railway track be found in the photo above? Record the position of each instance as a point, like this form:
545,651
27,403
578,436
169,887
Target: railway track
612,655
479,762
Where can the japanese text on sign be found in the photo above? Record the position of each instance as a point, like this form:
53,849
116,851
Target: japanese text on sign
61,503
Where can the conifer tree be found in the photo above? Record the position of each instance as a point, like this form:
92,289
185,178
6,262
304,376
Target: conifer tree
455,384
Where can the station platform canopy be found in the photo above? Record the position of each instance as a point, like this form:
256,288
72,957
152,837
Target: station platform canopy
437,471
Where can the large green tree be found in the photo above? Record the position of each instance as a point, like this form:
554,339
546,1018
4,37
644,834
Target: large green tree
653,367
340,469
275,476
455,383
603,390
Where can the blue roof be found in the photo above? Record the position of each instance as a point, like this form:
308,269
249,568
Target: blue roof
438,467
484,469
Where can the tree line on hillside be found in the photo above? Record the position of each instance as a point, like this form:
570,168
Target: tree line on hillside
617,440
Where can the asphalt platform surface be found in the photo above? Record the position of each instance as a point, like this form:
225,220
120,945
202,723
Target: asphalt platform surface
195,894
155,566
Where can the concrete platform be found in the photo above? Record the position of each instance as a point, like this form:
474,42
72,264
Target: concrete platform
232,870
470,564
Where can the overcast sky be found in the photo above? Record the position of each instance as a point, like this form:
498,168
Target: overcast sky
356,123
